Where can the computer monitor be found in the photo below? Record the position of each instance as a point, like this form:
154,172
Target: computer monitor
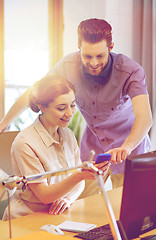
138,207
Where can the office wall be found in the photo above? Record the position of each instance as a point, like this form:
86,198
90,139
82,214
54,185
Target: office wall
117,12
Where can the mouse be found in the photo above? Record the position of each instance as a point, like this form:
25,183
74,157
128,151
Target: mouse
52,229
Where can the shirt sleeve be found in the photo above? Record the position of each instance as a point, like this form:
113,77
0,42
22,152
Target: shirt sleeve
58,69
136,84
24,160
75,192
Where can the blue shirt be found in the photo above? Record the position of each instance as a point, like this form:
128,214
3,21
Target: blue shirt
105,103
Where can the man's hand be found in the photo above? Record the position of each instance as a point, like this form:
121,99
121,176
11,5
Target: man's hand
118,154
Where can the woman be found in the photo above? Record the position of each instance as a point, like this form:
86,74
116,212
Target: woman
48,145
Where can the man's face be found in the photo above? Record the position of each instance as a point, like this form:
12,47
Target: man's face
95,56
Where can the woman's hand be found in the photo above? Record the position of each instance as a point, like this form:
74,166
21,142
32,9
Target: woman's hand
59,206
104,166
88,173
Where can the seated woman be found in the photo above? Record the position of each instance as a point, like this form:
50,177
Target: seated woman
48,145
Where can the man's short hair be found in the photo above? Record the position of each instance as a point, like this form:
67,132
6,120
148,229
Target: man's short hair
94,30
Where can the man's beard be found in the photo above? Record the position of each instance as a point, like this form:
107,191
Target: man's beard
94,71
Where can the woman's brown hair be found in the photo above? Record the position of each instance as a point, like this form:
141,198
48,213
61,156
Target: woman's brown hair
47,90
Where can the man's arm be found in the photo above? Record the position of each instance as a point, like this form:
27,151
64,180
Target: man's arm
141,126
19,106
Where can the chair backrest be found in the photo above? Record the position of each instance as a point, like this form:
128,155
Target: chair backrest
6,139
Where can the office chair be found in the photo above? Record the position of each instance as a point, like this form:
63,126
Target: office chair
6,139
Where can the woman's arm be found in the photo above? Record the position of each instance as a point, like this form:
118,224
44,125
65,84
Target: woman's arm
61,204
19,106
49,193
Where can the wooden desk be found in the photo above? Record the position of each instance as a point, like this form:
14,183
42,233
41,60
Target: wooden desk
89,210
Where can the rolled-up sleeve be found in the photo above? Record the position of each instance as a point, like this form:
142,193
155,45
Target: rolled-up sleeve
136,84
25,161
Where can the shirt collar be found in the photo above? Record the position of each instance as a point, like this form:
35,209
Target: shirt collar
44,135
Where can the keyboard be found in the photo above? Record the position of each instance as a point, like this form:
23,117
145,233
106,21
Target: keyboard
99,233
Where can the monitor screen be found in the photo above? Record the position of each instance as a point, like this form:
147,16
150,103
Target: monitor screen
138,208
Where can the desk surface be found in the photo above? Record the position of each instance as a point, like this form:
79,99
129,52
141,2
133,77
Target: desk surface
89,210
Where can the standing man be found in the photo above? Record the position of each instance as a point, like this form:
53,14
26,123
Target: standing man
111,94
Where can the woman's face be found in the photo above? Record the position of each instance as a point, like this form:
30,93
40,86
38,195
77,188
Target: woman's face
60,111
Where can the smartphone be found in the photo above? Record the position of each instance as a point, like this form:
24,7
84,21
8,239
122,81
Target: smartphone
103,157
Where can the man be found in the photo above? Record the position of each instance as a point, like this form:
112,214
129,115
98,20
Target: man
111,94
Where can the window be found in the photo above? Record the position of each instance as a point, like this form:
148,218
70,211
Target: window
26,54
